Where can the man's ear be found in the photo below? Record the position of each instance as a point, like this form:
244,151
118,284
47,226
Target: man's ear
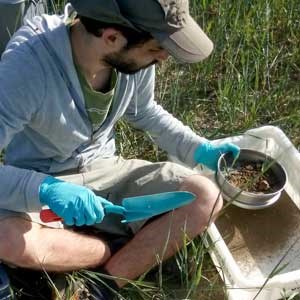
113,39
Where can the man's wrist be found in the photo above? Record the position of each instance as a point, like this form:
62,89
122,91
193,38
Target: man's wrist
201,152
43,188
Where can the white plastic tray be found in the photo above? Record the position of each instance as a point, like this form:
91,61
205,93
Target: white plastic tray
246,272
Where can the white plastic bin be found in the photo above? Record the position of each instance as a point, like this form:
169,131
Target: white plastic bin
246,271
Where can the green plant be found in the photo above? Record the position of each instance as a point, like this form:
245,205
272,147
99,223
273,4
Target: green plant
251,79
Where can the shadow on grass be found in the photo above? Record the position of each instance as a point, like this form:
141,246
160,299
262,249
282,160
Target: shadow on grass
29,284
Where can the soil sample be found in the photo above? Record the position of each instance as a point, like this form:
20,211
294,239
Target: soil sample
253,177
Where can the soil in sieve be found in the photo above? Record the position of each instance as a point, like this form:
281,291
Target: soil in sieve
251,177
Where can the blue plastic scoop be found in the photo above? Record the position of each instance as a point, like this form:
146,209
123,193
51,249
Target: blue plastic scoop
138,208
144,207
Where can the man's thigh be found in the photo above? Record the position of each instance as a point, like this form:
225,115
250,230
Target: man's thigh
114,179
118,178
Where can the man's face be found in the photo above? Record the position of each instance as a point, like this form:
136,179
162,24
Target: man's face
130,61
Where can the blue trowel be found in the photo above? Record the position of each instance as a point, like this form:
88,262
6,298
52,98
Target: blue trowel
139,207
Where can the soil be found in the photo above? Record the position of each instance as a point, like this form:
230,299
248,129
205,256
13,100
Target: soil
250,177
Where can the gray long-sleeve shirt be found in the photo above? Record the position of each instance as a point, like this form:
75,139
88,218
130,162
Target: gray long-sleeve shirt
43,122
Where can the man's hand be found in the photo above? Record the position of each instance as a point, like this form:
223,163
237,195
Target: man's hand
74,203
208,154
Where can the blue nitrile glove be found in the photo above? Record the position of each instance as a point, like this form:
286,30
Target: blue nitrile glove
208,154
77,205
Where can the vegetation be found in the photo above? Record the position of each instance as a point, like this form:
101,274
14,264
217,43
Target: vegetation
250,80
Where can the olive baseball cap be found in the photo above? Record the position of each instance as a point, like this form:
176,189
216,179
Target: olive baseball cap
168,21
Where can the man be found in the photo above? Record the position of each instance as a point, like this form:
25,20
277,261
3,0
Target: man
63,88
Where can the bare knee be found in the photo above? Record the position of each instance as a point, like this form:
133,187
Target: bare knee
208,197
12,239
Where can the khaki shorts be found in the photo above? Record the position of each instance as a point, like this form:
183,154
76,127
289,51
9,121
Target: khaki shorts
114,179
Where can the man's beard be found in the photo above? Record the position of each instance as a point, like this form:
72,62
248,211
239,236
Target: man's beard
124,65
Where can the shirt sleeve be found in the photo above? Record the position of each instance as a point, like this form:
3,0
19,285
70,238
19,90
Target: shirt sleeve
21,91
167,131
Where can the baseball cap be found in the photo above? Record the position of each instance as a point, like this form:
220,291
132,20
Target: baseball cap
168,21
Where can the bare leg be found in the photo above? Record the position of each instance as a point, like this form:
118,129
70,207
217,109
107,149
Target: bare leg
30,245
140,254
33,246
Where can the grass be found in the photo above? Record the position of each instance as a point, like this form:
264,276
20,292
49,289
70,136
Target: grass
251,79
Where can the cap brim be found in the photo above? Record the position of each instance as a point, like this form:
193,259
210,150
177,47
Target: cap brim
189,44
